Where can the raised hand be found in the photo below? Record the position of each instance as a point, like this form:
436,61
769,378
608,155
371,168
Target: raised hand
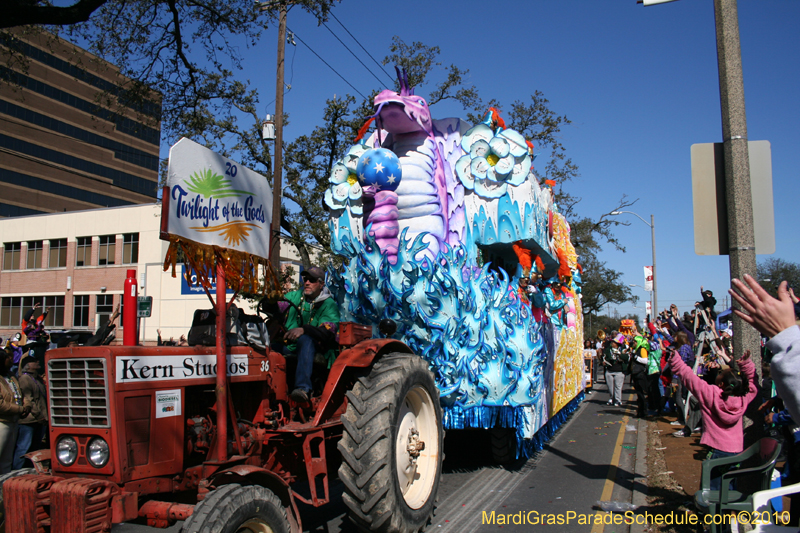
767,405
768,315
794,298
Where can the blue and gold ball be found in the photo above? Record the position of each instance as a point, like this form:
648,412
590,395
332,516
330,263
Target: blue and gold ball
379,167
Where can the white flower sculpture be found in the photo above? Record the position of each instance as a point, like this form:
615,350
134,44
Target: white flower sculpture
345,190
494,160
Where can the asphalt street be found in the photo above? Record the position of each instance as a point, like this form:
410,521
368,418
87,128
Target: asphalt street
593,457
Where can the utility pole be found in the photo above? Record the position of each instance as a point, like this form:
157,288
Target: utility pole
738,194
277,167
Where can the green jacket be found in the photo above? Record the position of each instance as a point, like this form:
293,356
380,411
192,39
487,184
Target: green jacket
654,362
319,320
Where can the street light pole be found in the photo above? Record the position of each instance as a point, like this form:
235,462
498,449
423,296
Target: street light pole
652,225
652,310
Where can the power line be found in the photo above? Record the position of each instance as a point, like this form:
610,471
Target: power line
327,64
391,79
352,54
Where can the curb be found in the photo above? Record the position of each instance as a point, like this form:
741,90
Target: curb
639,491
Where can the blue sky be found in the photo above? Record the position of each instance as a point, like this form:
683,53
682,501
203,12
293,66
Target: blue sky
639,83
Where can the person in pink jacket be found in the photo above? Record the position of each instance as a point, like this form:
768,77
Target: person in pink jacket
723,404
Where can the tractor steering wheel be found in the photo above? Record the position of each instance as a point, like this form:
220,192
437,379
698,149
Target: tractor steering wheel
274,318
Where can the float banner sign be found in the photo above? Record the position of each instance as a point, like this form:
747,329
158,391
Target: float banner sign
215,201
648,278
648,309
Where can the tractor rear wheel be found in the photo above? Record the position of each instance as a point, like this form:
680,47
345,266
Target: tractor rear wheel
392,446
238,509
3,478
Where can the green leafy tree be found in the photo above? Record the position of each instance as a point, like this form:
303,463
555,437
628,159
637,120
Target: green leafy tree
308,163
772,271
420,63
185,53
601,285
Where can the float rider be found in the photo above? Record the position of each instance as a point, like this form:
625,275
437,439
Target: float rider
312,330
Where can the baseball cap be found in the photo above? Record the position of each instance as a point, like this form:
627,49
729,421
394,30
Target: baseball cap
314,273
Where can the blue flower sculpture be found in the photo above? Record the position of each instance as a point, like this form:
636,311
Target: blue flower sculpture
494,159
345,190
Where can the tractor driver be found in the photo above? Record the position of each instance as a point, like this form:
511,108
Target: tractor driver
311,331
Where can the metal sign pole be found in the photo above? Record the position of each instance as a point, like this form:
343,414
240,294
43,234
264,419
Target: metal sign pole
222,366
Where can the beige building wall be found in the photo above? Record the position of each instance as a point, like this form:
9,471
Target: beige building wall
172,311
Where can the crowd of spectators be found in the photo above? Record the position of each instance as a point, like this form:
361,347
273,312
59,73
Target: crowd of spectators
23,394
683,365
645,356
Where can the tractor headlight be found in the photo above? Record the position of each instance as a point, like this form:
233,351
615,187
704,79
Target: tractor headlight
67,451
97,452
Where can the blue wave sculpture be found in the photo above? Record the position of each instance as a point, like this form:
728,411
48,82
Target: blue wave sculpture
412,249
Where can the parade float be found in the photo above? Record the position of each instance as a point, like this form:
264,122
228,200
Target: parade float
437,222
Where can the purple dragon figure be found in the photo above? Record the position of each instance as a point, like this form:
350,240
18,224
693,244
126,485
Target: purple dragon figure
429,198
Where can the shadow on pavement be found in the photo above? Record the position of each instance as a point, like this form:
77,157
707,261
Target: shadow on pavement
624,478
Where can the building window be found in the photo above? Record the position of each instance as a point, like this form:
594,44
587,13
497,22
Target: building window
55,305
11,255
108,247
11,312
55,318
12,309
58,253
80,311
83,255
35,249
105,306
130,248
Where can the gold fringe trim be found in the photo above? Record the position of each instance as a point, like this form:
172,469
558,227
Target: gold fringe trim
241,269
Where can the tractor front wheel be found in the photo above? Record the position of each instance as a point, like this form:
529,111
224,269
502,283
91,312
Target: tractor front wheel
238,509
392,446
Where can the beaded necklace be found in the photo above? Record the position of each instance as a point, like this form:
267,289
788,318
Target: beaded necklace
14,389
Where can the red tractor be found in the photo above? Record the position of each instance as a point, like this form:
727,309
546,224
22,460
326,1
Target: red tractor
154,435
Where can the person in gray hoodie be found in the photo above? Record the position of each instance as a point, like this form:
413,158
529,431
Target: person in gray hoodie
774,318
